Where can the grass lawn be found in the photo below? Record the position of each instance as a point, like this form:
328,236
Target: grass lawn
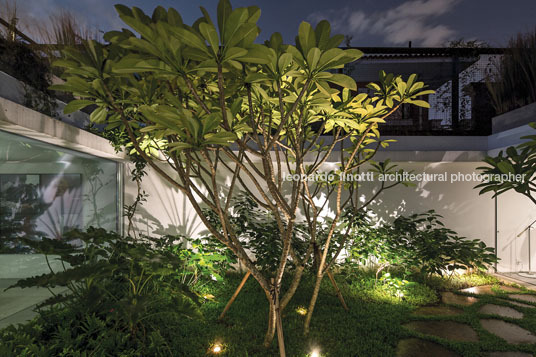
372,327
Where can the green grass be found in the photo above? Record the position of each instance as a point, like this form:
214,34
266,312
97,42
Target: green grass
372,327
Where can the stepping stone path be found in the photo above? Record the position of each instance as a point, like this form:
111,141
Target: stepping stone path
459,332
511,333
524,297
414,347
438,310
486,289
507,354
503,311
449,330
454,299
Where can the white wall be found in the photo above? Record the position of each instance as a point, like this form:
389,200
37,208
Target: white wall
465,211
166,211
515,212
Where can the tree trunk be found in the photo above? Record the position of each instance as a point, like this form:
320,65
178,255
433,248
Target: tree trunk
274,322
293,287
312,303
270,332
232,299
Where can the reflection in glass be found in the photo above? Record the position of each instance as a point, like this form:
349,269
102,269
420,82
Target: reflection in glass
45,191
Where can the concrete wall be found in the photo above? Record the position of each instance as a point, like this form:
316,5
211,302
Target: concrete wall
514,118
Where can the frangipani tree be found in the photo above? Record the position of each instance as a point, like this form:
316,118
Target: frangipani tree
204,101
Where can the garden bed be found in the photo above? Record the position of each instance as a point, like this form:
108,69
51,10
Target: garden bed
374,326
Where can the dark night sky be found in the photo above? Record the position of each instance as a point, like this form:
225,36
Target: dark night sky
370,22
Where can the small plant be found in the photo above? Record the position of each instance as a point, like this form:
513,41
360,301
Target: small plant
202,260
394,284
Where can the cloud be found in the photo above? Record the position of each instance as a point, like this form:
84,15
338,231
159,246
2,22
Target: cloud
410,21
91,15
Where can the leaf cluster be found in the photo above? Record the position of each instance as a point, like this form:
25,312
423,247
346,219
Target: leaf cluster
517,161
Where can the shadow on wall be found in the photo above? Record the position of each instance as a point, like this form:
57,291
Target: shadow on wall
463,209
166,211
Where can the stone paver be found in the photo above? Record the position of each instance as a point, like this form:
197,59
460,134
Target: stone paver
455,299
483,290
510,289
449,330
438,310
503,311
487,289
414,347
507,331
507,354
519,304
524,297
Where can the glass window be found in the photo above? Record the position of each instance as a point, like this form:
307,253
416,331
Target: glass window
46,191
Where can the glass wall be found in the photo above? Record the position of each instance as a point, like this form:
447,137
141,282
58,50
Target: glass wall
46,191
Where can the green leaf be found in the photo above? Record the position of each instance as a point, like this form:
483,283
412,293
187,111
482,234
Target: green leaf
322,33
220,138
237,19
257,54
223,12
306,37
256,77
420,103
234,52
98,115
505,167
174,18
343,81
245,35
189,38
209,33
374,86
313,56
284,61
211,122
77,104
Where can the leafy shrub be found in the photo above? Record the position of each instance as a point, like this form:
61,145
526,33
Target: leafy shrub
418,242
258,232
119,291
390,288
202,259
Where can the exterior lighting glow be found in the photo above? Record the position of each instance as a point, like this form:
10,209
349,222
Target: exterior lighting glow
301,310
315,353
216,348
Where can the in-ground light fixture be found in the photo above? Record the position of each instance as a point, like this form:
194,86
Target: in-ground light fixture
301,310
315,353
216,348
